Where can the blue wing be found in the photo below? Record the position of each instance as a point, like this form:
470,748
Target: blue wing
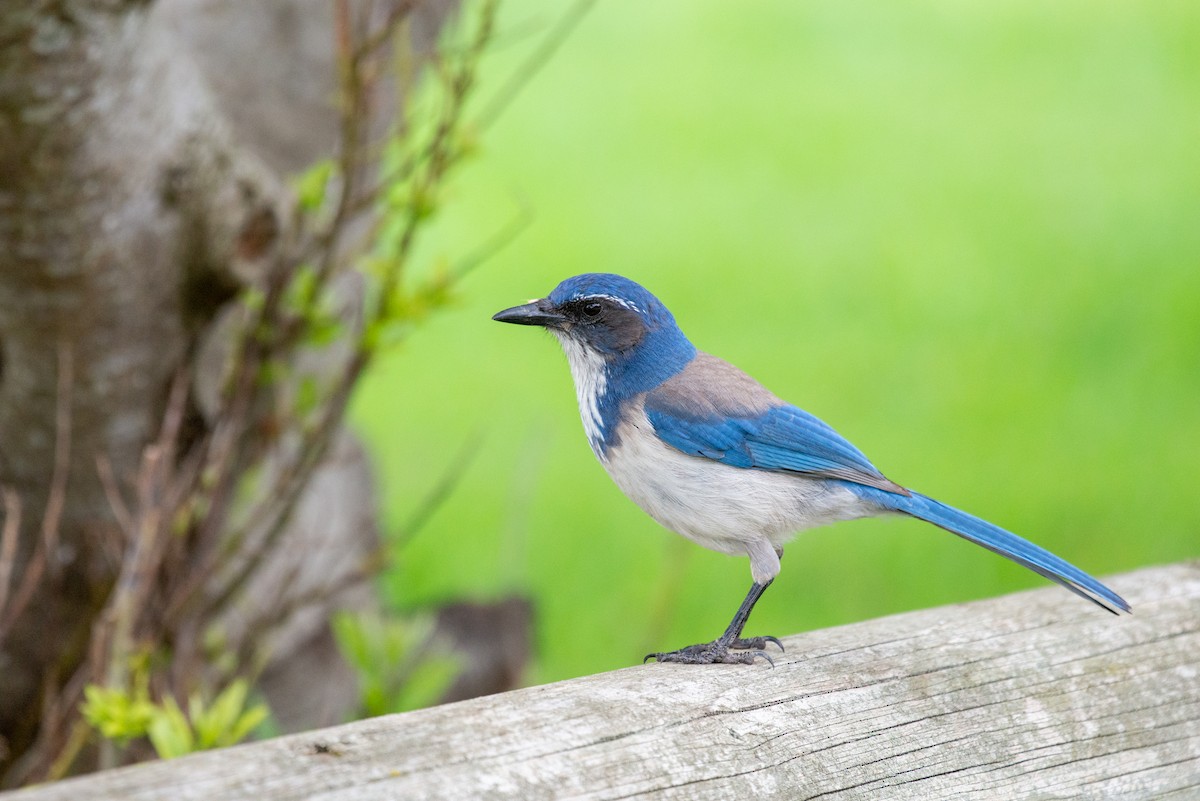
719,416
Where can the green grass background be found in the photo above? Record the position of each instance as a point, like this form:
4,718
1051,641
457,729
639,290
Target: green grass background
968,236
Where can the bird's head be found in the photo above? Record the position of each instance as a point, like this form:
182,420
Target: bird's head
604,313
619,339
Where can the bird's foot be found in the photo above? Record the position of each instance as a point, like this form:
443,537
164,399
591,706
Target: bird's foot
738,652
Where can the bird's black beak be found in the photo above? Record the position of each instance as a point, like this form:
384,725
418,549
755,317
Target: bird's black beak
537,313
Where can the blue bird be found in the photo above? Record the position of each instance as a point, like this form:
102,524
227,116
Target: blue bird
713,455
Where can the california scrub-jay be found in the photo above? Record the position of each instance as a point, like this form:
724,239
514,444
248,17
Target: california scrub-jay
710,453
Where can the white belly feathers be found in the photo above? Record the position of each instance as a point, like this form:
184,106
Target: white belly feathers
726,509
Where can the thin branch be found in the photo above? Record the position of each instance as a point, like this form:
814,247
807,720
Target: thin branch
224,450
112,494
295,477
495,243
81,731
57,498
155,507
54,752
370,43
8,542
441,157
355,121
34,569
44,553
273,516
258,629
341,28
434,499
534,63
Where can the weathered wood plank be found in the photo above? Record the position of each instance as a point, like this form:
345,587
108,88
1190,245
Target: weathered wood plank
1032,695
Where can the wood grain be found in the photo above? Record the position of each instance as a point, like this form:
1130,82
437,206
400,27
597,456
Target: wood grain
1033,695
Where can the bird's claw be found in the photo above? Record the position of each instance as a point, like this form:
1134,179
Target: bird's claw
757,643
738,652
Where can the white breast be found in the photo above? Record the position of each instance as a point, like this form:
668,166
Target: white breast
728,509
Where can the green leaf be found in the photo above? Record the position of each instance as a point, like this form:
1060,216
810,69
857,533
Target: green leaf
250,720
348,631
385,334
301,289
389,656
426,683
468,142
271,372
195,711
221,723
307,396
115,713
311,184
323,328
253,298
169,731
221,718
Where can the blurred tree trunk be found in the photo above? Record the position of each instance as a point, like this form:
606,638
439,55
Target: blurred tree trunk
143,151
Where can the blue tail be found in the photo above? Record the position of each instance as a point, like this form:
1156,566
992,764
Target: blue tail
997,540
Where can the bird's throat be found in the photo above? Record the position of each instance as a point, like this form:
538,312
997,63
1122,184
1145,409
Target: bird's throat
591,383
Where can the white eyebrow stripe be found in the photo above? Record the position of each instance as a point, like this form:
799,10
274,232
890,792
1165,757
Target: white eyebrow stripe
628,304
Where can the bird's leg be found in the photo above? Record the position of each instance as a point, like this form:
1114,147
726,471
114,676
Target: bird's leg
730,647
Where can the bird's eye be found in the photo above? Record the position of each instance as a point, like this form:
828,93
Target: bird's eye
592,308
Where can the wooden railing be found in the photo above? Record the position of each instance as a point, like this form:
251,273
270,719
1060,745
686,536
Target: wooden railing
1033,695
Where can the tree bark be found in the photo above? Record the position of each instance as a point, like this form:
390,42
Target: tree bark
134,202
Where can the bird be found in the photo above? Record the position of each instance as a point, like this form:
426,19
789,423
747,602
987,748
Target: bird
713,455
